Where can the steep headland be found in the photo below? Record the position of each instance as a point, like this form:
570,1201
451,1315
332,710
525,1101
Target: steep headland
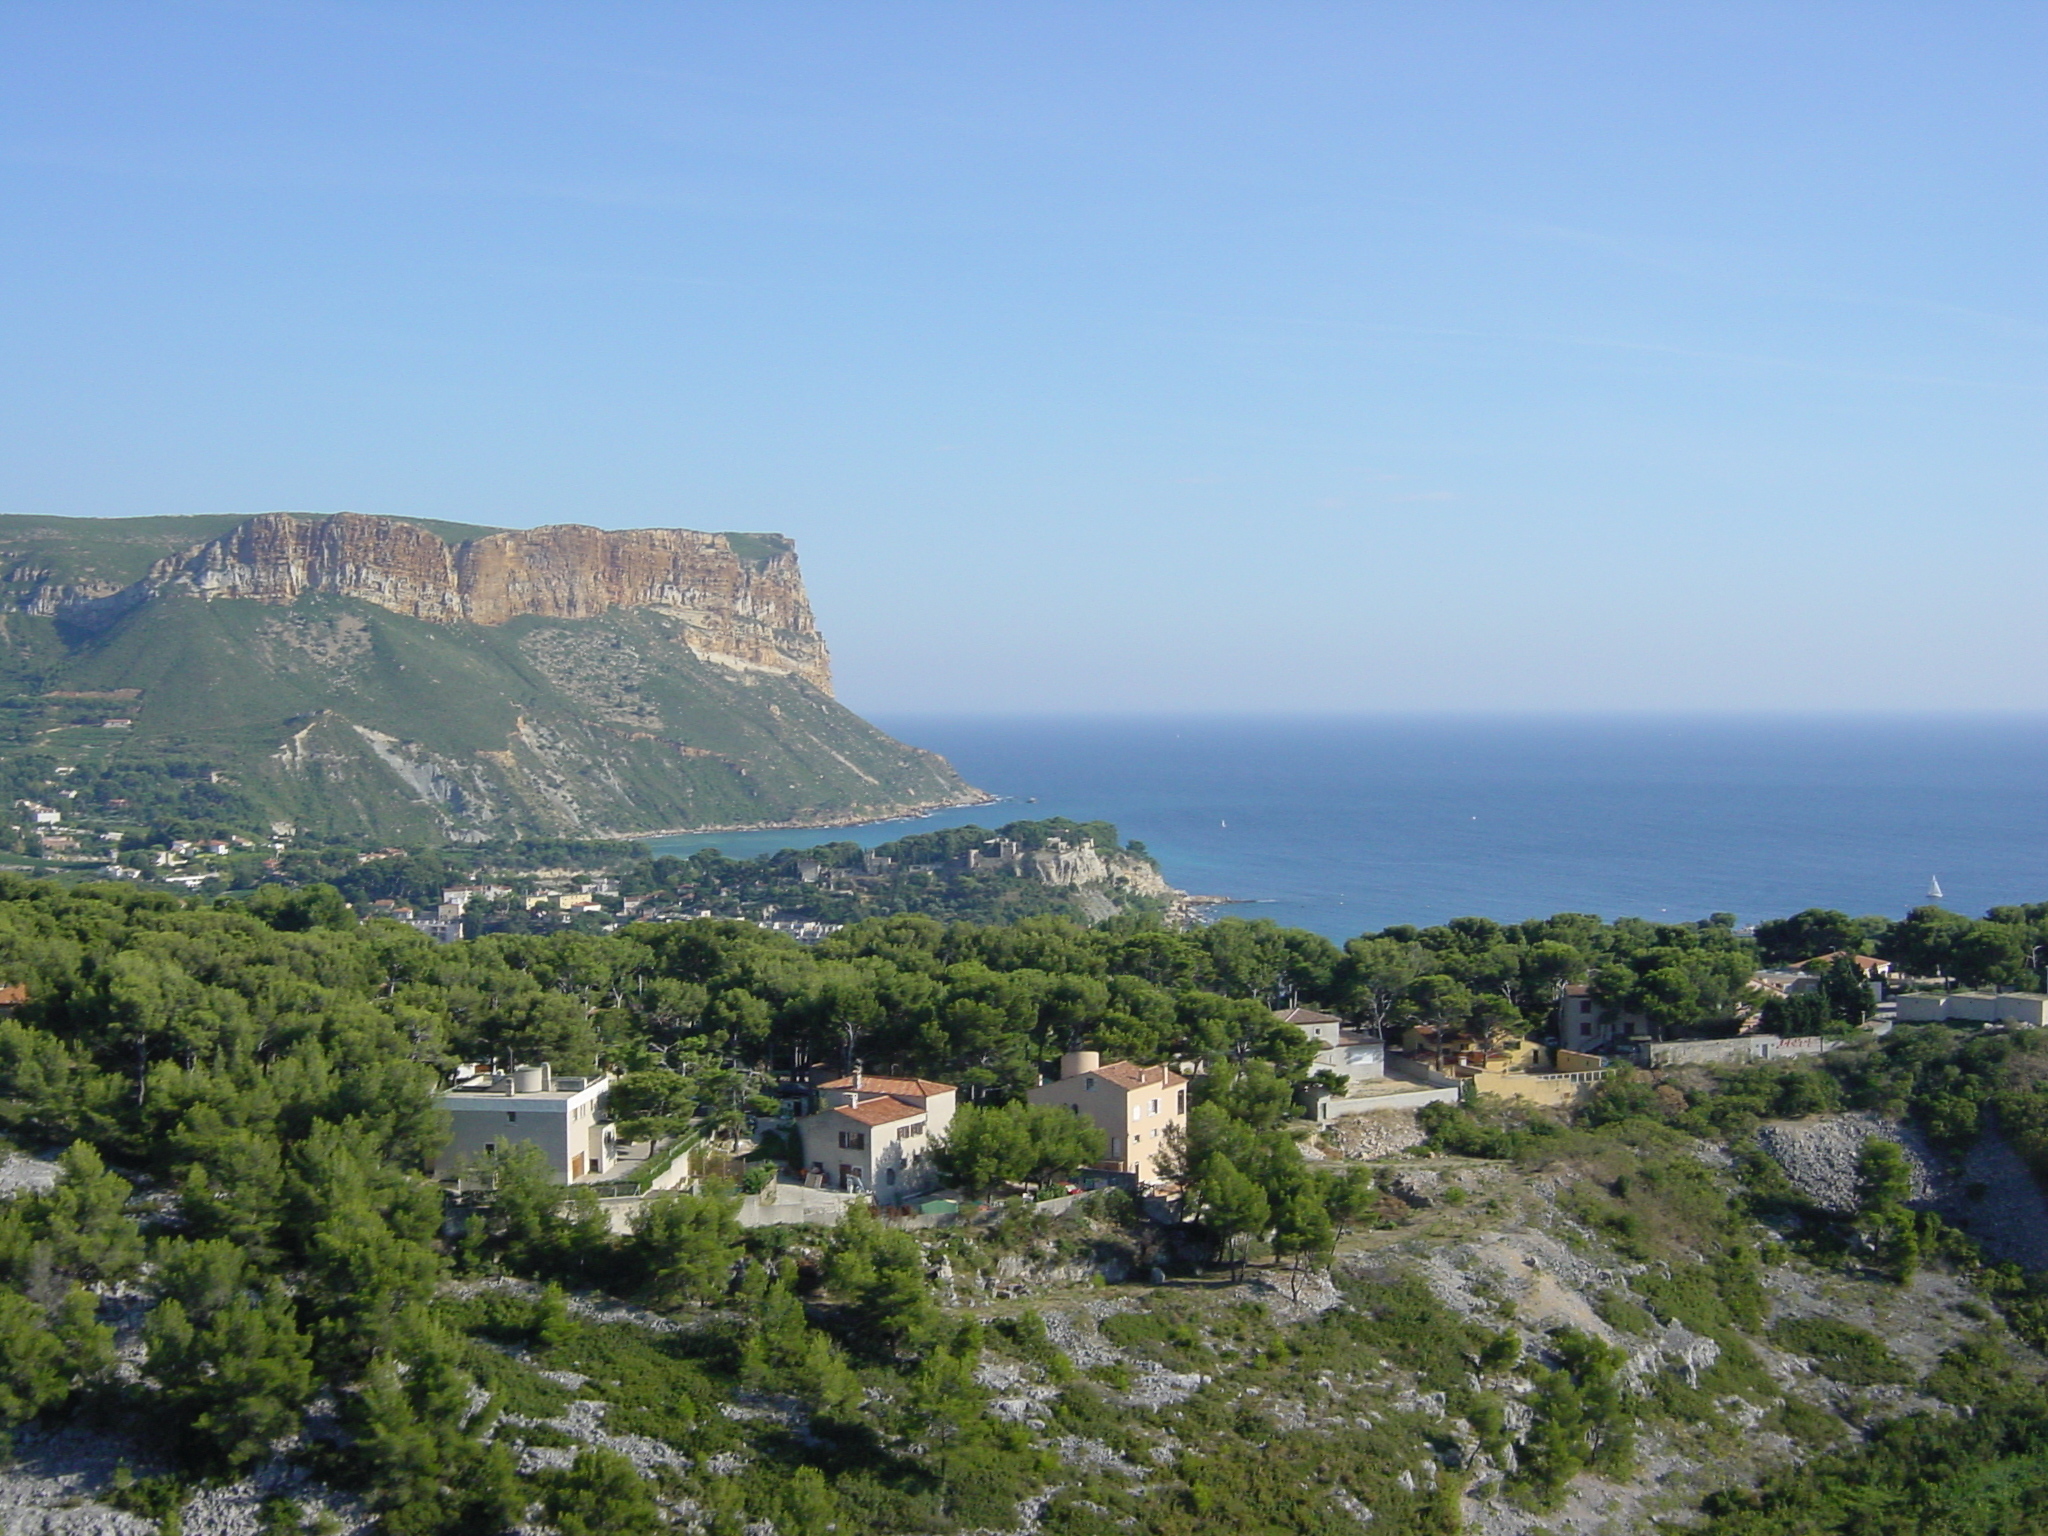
369,676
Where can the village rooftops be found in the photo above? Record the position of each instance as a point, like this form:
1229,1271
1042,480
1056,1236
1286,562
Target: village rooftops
901,1087
882,1111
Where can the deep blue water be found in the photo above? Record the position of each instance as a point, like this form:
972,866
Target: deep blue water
1344,824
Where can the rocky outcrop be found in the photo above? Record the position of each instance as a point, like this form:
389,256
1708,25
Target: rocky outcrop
1086,865
1988,1191
740,607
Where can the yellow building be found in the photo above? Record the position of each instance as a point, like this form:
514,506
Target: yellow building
1134,1105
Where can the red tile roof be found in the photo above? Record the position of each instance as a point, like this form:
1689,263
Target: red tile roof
902,1087
1128,1075
876,1111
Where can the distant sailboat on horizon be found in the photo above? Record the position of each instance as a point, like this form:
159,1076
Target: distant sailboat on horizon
1934,888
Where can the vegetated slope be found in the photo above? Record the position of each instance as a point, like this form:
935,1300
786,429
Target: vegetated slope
1022,869
360,677
1543,1326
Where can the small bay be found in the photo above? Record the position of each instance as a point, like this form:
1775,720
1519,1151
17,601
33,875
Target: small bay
1343,824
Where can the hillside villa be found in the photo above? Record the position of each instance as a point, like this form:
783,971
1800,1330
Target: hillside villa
1133,1105
874,1135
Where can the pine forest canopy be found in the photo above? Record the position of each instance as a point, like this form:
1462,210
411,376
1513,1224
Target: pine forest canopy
247,1092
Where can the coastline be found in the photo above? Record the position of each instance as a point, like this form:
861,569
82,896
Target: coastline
903,813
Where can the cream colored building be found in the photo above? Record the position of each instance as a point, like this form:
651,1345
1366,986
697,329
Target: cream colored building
1134,1105
874,1135
568,1118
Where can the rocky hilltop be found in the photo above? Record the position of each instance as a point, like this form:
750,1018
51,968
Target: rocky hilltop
741,609
371,676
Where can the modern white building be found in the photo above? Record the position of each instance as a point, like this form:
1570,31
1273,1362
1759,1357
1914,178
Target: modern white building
2027,1009
1353,1054
568,1118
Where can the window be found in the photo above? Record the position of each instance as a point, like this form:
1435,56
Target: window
1154,1109
1090,1085
511,1114
490,1147
904,1133
1181,1107
888,1175
854,1140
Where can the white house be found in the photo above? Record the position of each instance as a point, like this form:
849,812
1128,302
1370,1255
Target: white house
1353,1054
568,1118
1584,1024
874,1135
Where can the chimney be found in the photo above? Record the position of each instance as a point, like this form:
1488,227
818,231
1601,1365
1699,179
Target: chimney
1074,1063
857,1078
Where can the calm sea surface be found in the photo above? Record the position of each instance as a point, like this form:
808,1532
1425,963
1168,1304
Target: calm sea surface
1345,824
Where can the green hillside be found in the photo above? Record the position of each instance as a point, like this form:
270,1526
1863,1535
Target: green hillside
349,720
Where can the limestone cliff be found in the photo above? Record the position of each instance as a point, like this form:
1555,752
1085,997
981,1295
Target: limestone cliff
1087,865
742,611
363,676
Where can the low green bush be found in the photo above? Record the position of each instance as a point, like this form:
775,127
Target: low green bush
1854,1356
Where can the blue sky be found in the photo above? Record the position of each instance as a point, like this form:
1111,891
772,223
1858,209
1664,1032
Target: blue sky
1099,356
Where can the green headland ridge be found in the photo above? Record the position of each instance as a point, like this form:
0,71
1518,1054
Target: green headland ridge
364,677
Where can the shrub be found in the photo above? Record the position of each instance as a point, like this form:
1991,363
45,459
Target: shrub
1853,1356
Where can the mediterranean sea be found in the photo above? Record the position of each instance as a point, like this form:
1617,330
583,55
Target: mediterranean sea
1344,824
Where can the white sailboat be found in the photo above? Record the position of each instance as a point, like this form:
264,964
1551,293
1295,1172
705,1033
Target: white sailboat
1934,889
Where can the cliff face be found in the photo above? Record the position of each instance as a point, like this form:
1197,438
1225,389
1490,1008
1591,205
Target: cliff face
363,676
745,611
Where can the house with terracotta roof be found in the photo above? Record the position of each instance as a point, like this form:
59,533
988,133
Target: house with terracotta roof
1134,1105
1873,969
874,1135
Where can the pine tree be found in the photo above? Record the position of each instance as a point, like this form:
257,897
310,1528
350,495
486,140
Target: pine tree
1235,1208
601,1494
